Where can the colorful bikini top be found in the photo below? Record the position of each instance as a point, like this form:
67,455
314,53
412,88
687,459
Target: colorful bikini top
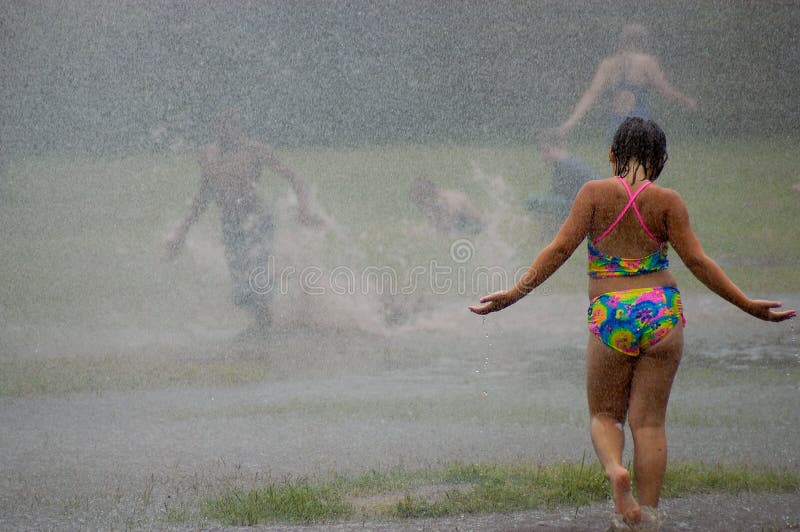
602,265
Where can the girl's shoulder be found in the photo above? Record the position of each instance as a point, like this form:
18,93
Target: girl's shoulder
666,200
596,192
601,185
665,192
600,190
602,182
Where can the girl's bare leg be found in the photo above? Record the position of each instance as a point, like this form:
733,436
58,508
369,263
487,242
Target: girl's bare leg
650,388
608,383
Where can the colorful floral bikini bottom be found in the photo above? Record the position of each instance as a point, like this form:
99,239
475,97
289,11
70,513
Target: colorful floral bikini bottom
631,321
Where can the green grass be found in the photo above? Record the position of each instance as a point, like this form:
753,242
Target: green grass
83,237
686,479
502,488
293,502
459,489
25,377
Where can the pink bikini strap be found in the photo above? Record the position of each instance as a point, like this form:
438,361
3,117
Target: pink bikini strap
631,202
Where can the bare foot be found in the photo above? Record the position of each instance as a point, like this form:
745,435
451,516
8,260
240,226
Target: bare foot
624,502
797,187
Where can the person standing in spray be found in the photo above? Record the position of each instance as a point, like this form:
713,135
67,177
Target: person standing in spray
635,314
630,75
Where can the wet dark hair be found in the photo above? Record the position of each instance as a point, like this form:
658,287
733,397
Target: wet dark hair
643,141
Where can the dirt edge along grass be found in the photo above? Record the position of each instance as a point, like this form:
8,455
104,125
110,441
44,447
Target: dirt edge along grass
458,489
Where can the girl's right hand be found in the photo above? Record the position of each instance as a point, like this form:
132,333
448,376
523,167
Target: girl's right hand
493,303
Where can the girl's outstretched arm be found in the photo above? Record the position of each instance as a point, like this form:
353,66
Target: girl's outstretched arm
688,247
551,258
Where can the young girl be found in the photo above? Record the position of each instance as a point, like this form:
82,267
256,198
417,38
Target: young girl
635,314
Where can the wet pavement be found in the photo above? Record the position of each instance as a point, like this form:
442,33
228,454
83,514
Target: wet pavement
458,389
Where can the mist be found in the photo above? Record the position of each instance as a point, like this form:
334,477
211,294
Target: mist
100,76
135,384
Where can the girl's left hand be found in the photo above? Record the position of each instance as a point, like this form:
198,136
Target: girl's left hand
767,310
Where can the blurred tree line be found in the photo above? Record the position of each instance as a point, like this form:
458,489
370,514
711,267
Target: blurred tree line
104,75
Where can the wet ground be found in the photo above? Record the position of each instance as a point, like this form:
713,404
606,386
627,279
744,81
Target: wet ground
449,388
746,511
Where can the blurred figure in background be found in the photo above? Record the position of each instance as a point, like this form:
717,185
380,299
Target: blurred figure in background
568,175
450,211
231,166
630,75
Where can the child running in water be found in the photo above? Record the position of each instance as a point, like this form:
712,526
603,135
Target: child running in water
231,167
635,314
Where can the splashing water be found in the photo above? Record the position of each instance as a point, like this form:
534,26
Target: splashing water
494,248
652,520
318,268
486,353
319,271
489,330
794,347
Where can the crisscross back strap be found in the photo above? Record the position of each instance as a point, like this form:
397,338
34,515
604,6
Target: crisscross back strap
631,203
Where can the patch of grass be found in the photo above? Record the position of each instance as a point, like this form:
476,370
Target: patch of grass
507,488
75,375
289,502
456,409
469,489
690,478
